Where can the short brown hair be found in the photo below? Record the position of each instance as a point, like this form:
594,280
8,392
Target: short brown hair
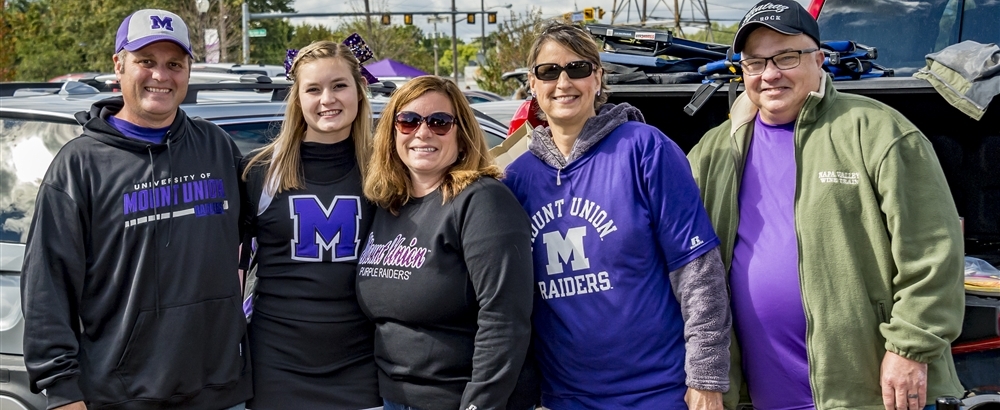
389,184
577,40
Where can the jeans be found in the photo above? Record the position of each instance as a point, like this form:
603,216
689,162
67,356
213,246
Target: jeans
391,405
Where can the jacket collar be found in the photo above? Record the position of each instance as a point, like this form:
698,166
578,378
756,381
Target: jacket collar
817,102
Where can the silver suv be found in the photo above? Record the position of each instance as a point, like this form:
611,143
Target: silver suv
36,121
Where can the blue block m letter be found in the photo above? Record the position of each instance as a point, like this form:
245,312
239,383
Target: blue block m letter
164,23
319,228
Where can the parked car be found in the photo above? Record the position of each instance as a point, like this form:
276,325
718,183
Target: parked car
231,68
478,96
34,127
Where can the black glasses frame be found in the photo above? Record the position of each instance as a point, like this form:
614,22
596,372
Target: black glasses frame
407,122
575,70
764,60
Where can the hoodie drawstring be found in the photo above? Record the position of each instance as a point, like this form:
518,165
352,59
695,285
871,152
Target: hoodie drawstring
156,253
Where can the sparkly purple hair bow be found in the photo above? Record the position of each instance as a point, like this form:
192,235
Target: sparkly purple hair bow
289,59
357,46
362,53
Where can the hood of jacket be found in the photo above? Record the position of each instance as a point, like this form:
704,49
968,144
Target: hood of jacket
609,117
95,125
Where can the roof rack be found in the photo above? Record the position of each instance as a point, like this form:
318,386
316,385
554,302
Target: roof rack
653,43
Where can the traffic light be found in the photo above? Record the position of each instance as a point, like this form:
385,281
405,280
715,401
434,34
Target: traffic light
600,13
408,19
491,18
588,13
386,19
470,18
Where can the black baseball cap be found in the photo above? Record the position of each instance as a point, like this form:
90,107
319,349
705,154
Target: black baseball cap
784,16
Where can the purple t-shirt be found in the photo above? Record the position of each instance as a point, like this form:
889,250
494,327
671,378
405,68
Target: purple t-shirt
766,299
151,135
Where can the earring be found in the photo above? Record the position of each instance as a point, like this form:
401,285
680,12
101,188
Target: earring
533,95
598,92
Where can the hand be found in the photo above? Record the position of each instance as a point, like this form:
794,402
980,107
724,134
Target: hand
703,399
904,383
76,405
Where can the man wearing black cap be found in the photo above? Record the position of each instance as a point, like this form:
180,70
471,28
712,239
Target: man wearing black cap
129,298
842,240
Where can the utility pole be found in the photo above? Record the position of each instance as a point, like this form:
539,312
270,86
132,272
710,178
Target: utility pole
434,20
454,43
246,27
368,15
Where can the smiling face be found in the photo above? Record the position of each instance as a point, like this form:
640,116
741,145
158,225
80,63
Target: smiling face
565,101
154,81
426,154
780,94
329,99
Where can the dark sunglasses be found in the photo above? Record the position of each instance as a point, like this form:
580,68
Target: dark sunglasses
575,70
439,123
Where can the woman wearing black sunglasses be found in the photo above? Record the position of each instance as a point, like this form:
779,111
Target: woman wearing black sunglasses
446,270
631,308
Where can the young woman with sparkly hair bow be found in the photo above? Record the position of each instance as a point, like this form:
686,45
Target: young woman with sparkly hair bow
311,347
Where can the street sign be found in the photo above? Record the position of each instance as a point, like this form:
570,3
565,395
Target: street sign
577,17
257,32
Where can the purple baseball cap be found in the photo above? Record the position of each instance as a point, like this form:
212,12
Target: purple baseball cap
148,26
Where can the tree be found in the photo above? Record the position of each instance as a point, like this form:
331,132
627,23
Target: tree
7,45
306,34
466,53
513,43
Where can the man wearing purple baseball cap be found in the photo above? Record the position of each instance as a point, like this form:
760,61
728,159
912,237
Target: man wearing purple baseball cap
842,240
129,299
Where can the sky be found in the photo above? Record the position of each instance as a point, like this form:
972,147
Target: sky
724,11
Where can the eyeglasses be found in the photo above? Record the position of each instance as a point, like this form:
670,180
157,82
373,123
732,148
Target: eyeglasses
439,123
783,61
575,70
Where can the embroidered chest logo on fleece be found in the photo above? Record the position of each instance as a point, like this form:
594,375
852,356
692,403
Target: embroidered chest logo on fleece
839,177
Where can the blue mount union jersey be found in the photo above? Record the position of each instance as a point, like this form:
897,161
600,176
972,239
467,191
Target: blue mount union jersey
605,234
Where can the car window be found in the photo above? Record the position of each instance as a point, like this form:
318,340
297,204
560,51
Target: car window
26,149
252,135
903,32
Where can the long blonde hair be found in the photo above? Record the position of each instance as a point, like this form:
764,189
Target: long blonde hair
281,156
389,184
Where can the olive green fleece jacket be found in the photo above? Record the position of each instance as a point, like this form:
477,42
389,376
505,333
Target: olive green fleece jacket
879,242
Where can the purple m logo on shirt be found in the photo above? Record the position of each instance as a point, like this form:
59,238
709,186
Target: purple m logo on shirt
318,227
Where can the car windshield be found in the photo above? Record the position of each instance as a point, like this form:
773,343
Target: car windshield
904,32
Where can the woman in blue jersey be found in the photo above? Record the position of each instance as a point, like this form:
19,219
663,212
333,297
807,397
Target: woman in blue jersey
311,346
631,309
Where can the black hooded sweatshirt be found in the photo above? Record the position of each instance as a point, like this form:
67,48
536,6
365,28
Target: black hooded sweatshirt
129,287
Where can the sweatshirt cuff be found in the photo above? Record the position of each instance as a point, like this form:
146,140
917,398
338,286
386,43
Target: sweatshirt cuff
720,386
63,392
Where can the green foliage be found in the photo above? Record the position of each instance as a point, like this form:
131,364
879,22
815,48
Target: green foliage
466,52
513,43
720,34
306,34
54,37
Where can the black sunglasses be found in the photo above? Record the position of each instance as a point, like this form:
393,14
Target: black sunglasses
439,123
575,70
